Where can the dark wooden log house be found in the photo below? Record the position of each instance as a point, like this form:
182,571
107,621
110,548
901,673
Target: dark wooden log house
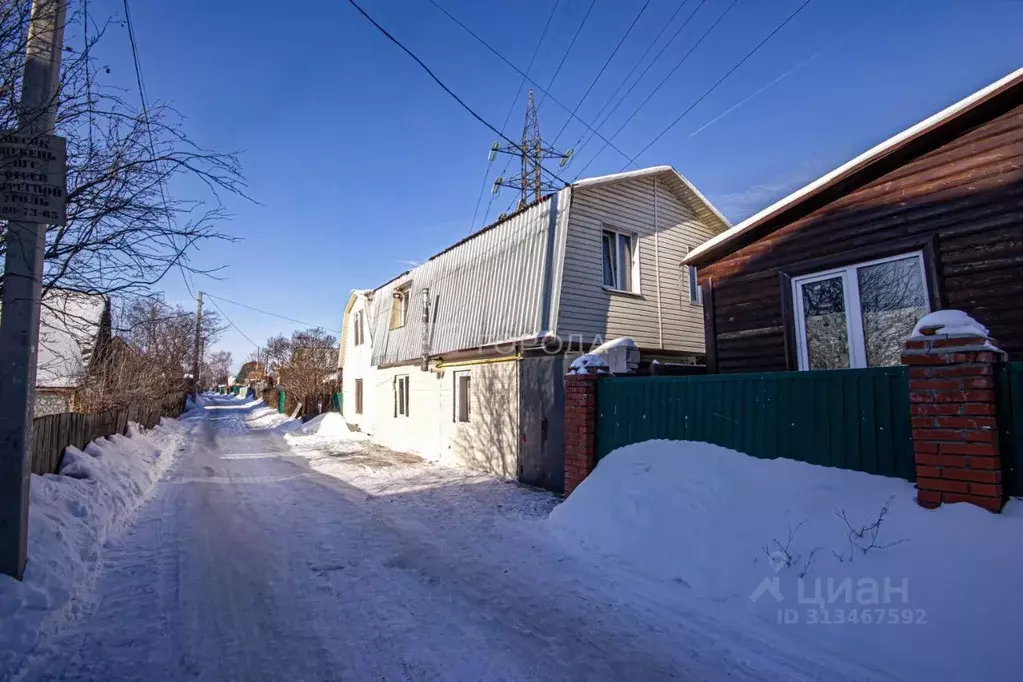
836,274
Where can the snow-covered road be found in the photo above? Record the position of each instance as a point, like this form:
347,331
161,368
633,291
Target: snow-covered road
250,564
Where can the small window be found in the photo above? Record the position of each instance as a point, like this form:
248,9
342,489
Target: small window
695,295
399,306
401,396
463,396
358,396
618,261
859,316
358,328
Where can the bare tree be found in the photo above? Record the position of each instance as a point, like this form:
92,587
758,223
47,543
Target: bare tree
305,364
124,232
150,355
218,366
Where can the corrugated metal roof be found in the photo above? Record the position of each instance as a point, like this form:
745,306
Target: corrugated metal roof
486,289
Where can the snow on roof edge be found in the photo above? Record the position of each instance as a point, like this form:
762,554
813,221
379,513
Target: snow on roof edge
872,154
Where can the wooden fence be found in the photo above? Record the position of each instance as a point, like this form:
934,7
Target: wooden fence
312,405
53,433
853,419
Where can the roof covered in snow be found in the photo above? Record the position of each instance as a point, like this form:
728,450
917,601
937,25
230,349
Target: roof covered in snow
71,325
775,215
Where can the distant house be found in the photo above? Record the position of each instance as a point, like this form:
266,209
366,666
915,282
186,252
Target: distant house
837,274
74,328
463,356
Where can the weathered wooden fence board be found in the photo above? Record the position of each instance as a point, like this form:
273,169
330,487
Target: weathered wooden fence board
853,419
52,434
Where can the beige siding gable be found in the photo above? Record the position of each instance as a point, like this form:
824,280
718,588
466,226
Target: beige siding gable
663,229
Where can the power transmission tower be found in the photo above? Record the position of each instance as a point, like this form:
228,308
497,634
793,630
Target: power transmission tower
532,153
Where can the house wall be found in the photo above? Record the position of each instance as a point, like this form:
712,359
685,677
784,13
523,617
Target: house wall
357,366
961,199
665,227
488,442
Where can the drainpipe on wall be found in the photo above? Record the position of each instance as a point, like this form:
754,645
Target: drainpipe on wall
425,365
657,272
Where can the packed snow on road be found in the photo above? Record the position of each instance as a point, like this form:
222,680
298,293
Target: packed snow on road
271,549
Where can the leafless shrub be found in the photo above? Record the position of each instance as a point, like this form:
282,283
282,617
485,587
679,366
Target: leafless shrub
864,539
785,556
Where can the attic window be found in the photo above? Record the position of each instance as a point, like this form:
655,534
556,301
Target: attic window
358,328
399,306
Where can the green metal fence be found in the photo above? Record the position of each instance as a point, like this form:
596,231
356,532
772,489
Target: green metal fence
1009,385
853,419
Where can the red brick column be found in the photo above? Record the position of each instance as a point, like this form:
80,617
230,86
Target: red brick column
580,428
955,433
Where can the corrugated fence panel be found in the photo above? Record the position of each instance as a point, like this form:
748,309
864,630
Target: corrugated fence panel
1009,386
852,419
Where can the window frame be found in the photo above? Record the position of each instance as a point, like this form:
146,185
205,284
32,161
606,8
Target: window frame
633,237
358,396
460,399
400,297
693,278
359,336
851,299
401,387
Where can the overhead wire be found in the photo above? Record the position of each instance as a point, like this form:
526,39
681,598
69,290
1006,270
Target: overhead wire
524,74
719,81
231,322
149,133
511,107
441,83
601,71
266,312
660,85
599,122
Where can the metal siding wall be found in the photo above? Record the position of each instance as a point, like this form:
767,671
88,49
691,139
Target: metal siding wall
485,291
588,309
852,419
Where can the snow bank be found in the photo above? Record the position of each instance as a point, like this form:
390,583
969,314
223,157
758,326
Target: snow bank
735,534
949,323
70,517
588,364
269,418
327,425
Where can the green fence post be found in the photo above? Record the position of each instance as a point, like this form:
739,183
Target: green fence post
280,401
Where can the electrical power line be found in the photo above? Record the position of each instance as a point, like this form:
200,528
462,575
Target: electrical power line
231,322
719,82
661,84
539,88
599,122
601,71
441,83
511,107
571,44
545,91
267,312
149,134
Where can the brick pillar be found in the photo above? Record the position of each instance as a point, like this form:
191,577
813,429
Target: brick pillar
955,433
580,428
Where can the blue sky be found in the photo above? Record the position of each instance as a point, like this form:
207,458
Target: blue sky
362,165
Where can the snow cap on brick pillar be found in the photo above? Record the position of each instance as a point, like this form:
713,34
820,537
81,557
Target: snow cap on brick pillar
581,418
951,362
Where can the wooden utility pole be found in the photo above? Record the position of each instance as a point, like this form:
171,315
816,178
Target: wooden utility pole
196,385
22,293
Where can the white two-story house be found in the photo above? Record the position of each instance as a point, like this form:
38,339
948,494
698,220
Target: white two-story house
462,357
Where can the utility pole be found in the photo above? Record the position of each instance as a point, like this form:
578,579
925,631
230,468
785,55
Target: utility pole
198,346
532,154
22,291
